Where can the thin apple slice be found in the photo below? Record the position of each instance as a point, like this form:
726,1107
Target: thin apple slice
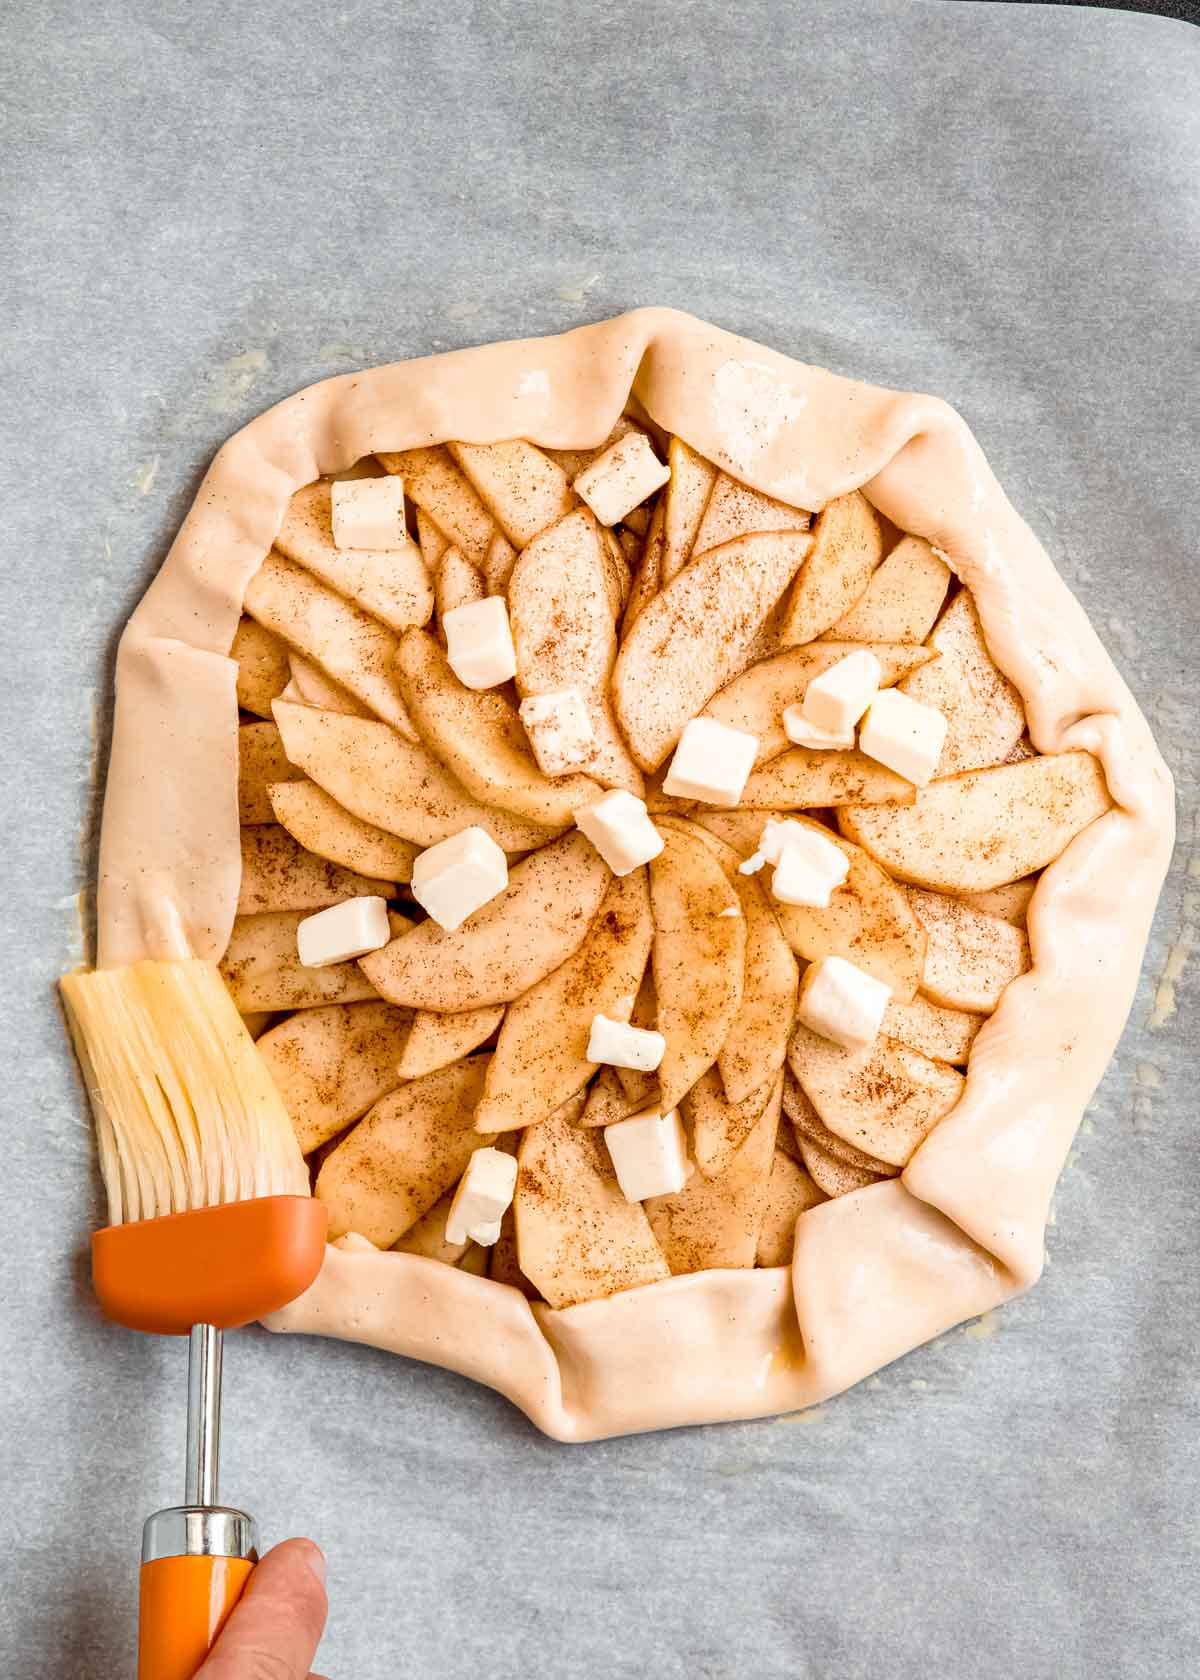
717,1221
733,510
691,639
347,643
541,1056
538,921
390,783
1010,903
503,1264
262,662
330,1065
459,583
478,737
315,819
278,873
902,600
807,1126
946,1035
578,1239
803,778
641,1089
699,957
885,1100
720,1127
262,969
846,548
403,1157
311,687
523,490
985,828
606,1101
498,563
434,1041
562,608
647,579
970,958
431,541
982,708
685,497
262,763
434,483
755,701
391,584
790,1192
427,1237
832,1176
869,920
756,1044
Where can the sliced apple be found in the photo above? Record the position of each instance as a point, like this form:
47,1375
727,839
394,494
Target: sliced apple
699,957
262,763
459,583
435,484
690,640
578,1239
790,1192
641,1089
478,737
1010,903
573,461
503,1264
970,958
807,1126
315,819
331,1064
982,708
685,498
885,1100
498,563
390,783
261,966
541,1056
562,608
606,1101
278,873
985,828
847,546
432,543
403,1157
733,510
523,490
716,1222
428,1236
262,662
718,1126
434,1041
647,579
902,600
756,700
353,648
944,1034
311,687
538,921
803,778
831,1176
391,584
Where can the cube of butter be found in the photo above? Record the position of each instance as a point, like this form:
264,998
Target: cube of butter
808,868
621,478
345,930
559,730
619,827
484,1195
840,1002
649,1154
369,512
802,732
836,699
479,643
458,876
904,735
620,1045
712,762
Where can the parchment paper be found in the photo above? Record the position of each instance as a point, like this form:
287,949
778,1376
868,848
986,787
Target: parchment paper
207,208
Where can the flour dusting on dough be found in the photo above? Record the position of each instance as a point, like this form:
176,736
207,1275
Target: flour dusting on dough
751,406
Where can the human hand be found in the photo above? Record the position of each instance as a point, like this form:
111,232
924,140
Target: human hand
274,1632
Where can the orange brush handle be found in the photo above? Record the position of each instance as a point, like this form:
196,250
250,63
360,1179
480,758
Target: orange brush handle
185,1604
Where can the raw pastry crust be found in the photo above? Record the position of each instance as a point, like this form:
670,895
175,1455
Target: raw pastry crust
876,1272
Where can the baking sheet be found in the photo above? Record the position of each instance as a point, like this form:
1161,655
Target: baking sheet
208,209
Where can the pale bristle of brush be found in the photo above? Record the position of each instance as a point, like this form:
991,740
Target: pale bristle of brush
186,1114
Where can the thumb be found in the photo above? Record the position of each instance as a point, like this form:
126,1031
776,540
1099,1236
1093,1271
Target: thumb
274,1632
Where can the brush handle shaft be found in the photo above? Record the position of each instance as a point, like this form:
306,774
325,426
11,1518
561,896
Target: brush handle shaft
185,1602
204,1415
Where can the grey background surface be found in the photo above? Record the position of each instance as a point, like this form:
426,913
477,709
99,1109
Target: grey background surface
204,208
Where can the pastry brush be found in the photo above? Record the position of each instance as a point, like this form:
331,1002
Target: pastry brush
211,1225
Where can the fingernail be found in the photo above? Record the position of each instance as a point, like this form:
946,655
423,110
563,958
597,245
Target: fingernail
316,1562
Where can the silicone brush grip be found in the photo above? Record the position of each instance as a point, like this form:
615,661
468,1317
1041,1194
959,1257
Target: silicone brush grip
185,1602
